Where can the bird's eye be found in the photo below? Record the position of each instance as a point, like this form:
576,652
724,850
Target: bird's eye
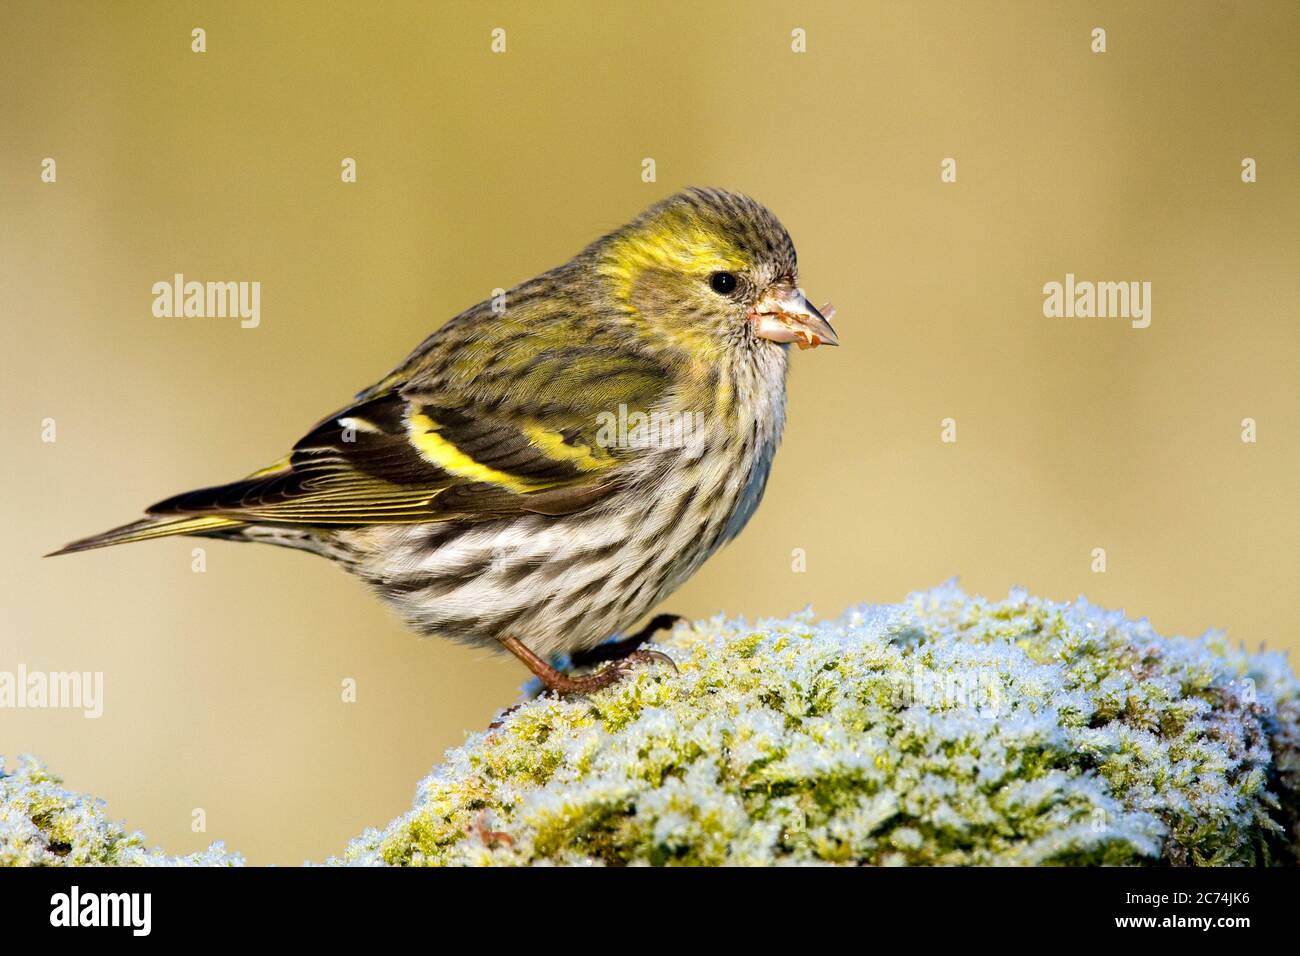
723,283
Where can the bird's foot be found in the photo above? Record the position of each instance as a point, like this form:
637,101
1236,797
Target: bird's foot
617,650
560,683
620,668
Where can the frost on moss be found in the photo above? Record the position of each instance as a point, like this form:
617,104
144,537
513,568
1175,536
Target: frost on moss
41,824
945,730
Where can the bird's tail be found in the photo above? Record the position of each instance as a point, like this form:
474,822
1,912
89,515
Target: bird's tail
146,528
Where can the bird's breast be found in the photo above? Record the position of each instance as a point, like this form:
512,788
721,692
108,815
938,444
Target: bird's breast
561,583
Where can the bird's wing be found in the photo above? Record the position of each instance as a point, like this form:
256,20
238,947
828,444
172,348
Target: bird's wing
414,451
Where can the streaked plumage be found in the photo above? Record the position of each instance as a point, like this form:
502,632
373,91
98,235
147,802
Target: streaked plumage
476,487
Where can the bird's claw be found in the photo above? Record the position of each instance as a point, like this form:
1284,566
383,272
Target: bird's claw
611,673
645,657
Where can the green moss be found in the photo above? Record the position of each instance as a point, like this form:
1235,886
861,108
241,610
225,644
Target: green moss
947,730
41,824
1047,733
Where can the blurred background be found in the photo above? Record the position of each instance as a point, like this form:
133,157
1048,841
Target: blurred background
477,170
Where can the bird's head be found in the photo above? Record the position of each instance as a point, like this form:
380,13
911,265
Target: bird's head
711,270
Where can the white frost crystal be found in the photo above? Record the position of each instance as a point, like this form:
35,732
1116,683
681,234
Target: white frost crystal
945,730
41,824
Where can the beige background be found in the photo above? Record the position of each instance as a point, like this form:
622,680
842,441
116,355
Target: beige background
478,170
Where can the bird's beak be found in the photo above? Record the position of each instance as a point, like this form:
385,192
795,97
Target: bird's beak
784,315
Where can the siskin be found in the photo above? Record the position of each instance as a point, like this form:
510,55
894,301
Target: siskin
540,473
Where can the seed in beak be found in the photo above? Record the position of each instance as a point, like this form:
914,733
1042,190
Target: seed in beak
795,321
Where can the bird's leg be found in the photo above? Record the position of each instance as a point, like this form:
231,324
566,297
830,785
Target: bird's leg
617,650
564,684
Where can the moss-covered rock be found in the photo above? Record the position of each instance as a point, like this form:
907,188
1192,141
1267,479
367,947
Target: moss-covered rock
946,730
42,824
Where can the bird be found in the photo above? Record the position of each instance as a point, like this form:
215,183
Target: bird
550,464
